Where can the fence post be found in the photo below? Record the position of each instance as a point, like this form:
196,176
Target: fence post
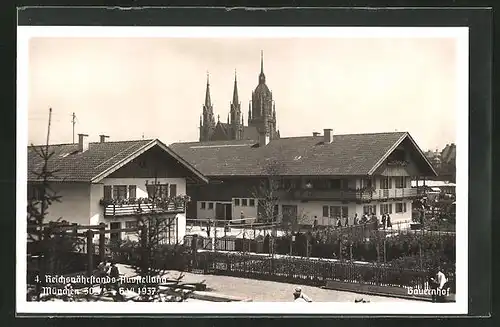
144,245
340,247
385,257
102,239
75,229
307,246
194,247
90,252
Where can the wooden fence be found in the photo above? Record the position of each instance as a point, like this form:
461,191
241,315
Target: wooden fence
81,238
306,271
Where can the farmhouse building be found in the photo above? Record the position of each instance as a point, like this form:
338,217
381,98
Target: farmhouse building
110,182
322,178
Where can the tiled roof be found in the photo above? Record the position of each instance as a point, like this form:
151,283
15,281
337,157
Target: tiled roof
74,166
353,154
98,159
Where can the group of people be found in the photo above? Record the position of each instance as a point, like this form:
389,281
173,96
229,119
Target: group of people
384,223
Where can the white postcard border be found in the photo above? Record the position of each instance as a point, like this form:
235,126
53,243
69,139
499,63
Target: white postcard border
24,33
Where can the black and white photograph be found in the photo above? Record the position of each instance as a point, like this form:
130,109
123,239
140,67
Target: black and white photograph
255,166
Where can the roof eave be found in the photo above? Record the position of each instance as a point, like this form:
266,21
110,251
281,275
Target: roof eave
394,146
141,150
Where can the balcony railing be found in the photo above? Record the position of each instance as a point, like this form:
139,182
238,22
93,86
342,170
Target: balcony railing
143,207
140,209
355,195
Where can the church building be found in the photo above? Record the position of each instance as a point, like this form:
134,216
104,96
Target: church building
261,115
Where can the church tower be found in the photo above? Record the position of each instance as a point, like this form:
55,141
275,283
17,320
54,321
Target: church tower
235,113
262,112
207,121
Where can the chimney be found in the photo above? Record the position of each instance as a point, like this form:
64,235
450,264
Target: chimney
328,136
315,134
102,138
263,139
83,144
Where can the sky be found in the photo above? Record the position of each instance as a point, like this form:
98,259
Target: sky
129,88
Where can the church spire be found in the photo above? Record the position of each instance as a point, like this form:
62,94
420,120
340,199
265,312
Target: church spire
235,90
261,61
262,77
207,123
208,102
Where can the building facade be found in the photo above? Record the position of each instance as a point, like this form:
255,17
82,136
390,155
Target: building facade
113,182
319,179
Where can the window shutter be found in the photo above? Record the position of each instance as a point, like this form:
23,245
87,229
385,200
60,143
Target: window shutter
325,211
173,190
150,189
132,191
107,192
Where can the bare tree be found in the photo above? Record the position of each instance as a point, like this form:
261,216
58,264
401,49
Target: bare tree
269,190
46,241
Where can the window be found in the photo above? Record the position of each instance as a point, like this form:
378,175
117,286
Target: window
162,190
252,202
173,190
244,202
385,183
132,191
210,205
289,212
366,183
157,190
107,192
400,181
386,208
370,209
203,205
325,211
131,224
236,202
400,207
276,211
335,212
119,192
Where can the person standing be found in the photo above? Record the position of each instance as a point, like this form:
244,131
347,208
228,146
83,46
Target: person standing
389,223
439,284
355,219
384,220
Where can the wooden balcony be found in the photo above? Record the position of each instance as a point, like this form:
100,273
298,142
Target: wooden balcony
354,195
113,210
142,207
